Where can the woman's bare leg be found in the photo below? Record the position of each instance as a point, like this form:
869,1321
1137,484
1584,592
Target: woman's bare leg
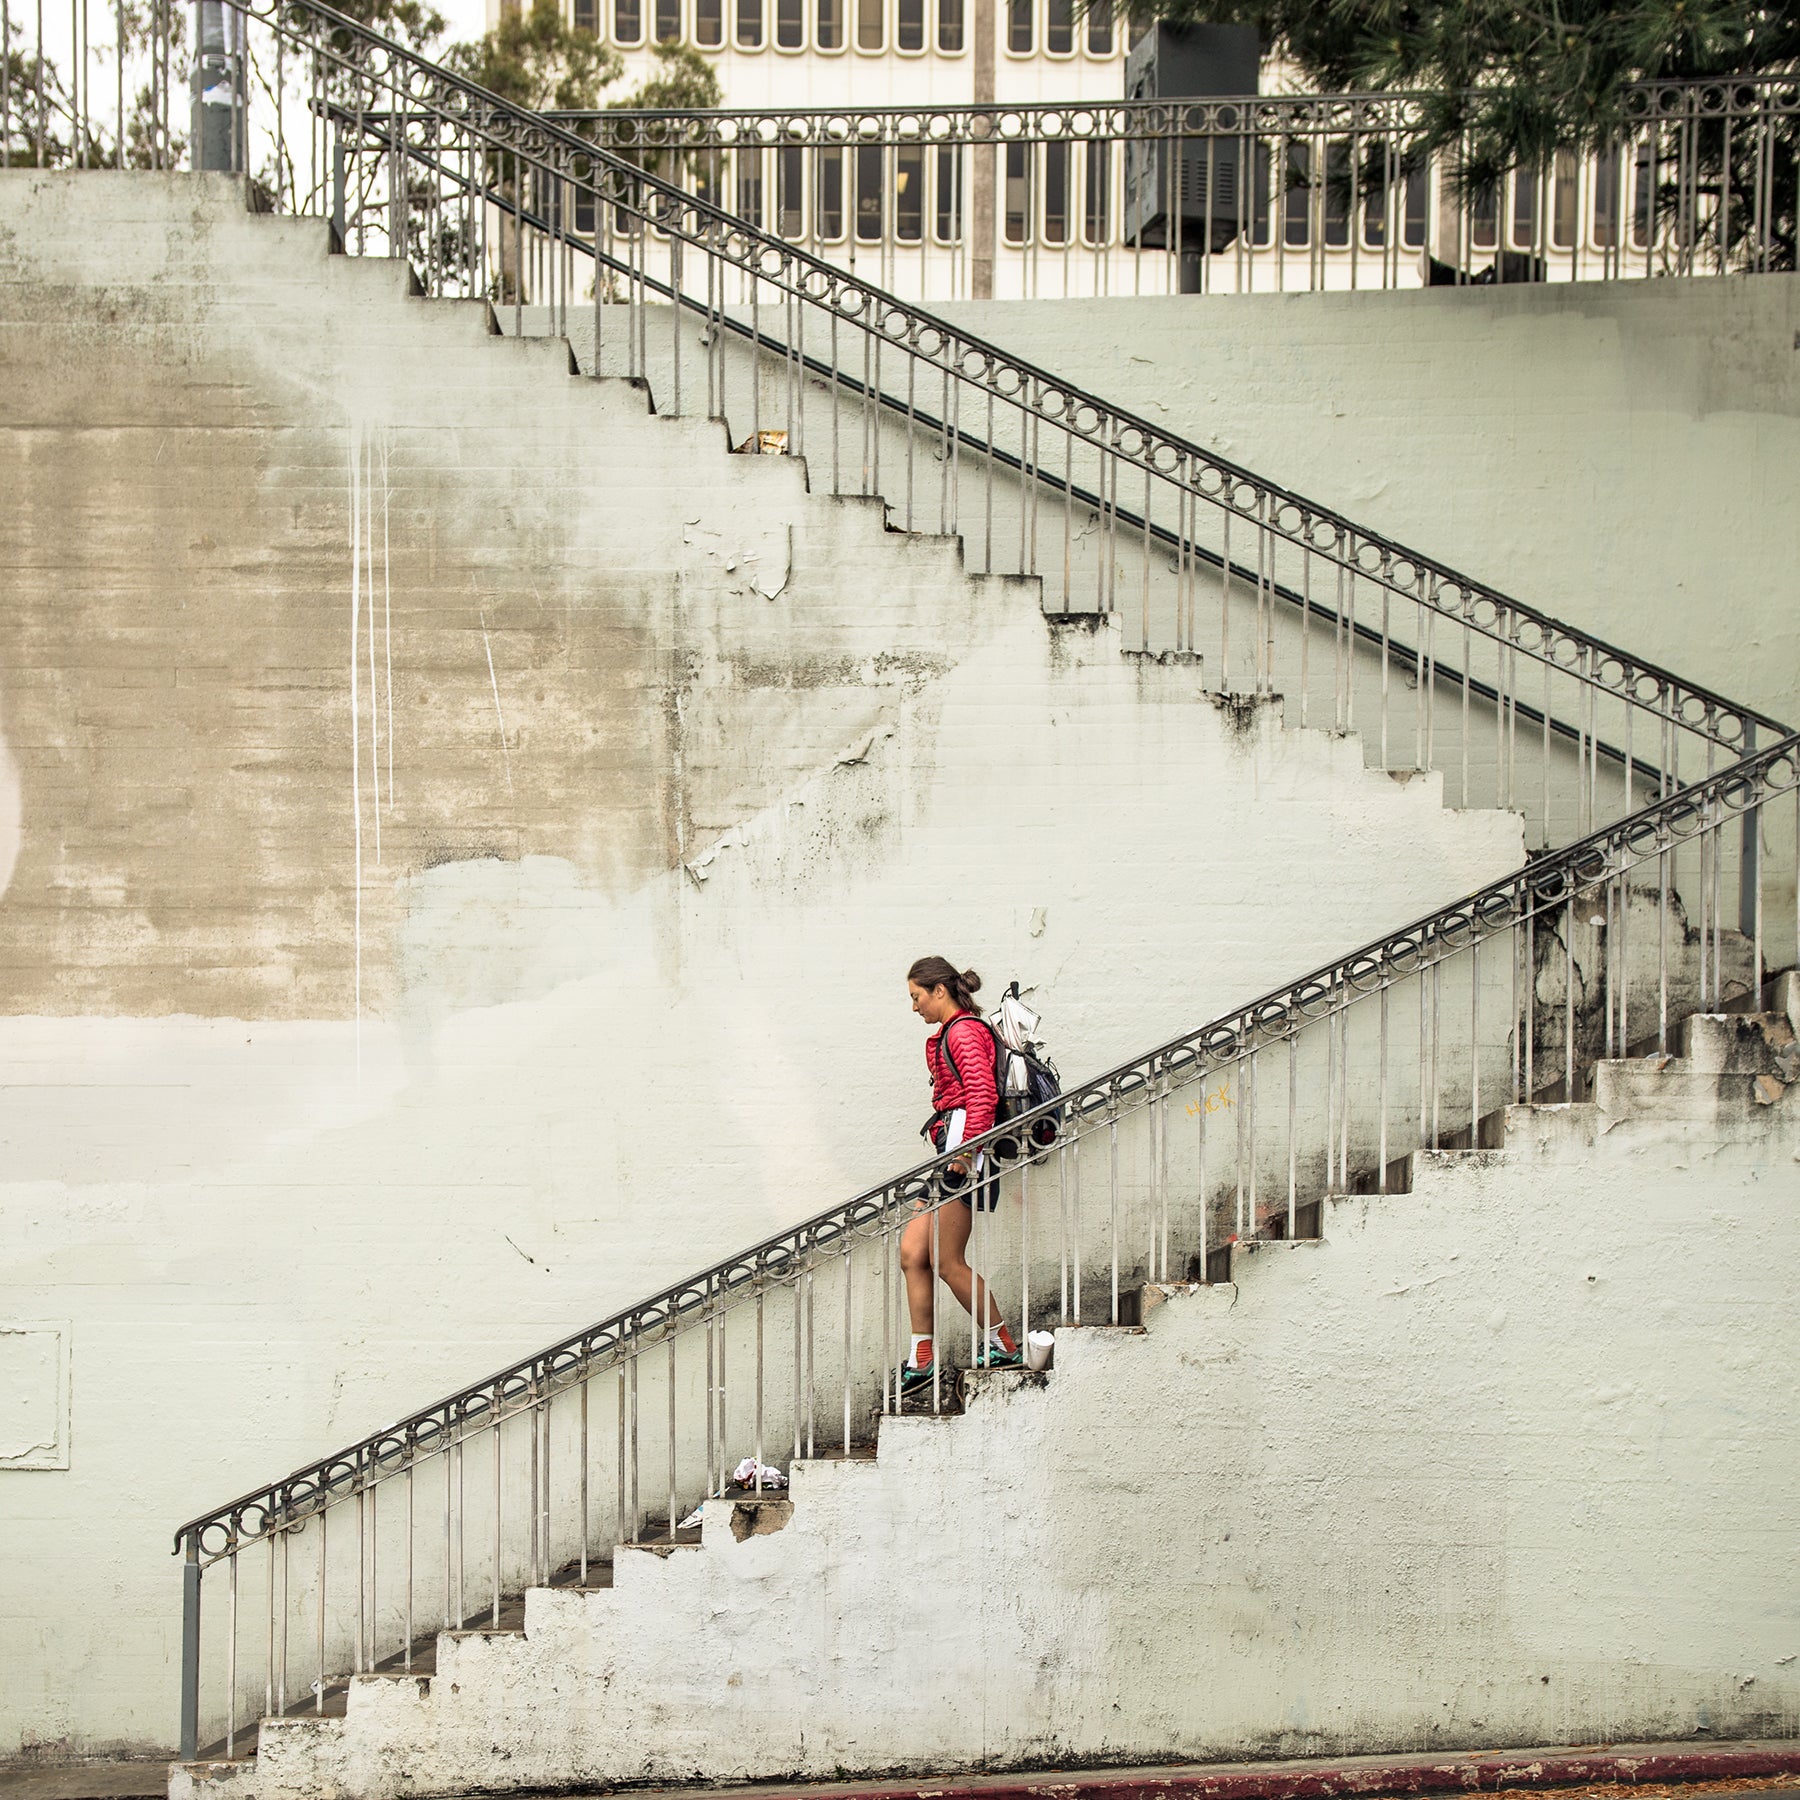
954,1223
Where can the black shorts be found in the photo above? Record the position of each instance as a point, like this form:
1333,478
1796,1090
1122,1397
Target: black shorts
983,1193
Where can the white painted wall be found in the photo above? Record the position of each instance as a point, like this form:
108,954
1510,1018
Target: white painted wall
1505,1460
591,1052
1620,455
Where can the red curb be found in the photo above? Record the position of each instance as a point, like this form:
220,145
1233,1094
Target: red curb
1468,1775
1471,1772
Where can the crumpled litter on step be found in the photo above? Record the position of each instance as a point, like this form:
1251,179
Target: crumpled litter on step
746,1473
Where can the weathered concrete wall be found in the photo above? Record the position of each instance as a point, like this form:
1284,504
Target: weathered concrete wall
354,1045
1620,455
1505,1460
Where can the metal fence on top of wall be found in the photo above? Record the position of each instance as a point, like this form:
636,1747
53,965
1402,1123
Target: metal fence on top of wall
1234,195
1263,193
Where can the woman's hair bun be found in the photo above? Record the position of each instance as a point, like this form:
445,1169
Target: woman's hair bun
971,981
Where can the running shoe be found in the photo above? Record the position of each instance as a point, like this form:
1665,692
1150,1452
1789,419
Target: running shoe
911,1379
993,1356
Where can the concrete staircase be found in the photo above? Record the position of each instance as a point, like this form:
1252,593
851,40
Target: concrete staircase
1409,1478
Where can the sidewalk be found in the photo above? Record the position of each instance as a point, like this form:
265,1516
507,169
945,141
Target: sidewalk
1773,1765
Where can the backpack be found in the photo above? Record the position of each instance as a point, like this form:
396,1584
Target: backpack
1024,1075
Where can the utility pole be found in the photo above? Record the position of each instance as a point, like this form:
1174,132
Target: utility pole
215,111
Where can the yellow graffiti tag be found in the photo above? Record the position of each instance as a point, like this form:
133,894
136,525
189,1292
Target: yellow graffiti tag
1220,1096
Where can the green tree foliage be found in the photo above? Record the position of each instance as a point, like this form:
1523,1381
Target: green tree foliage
1506,85
537,59
683,81
42,122
1518,81
412,21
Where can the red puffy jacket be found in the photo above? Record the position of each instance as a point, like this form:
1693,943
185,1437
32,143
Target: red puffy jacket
972,1059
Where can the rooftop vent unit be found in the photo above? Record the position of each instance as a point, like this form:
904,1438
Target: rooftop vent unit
1202,182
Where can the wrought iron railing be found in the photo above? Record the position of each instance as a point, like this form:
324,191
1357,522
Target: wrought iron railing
1266,193
997,201
1037,477
1238,1128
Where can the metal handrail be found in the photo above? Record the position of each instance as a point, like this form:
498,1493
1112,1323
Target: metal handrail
553,150
1543,883
995,122
928,339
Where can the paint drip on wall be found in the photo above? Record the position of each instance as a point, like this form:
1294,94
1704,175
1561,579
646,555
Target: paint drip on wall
371,661
11,812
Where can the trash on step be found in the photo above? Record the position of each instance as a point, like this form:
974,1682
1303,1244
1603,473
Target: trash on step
693,1518
1038,1348
747,1472
764,443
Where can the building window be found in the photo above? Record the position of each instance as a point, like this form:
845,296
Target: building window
1059,27
1525,208
950,27
1262,209
1565,201
1018,27
948,221
628,21
829,176
831,24
706,177
909,193
709,23
749,24
668,21
868,24
909,25
1337,195
1416,209
1607,167
1018,192
1484,217
1296,202
1097,205
1056,193
1406,192
868,193
790,191
750,187
790,24
1376,199
586,17
1100,28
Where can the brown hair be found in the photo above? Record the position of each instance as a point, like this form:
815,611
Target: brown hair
938,971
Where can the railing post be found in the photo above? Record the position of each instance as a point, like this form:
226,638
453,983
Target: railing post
190,1649
1750,868
337,189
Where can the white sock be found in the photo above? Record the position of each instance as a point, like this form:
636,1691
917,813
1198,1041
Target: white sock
994,1338
912,1356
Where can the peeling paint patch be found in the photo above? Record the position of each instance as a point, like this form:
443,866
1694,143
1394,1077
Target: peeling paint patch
34,1395
751,1518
